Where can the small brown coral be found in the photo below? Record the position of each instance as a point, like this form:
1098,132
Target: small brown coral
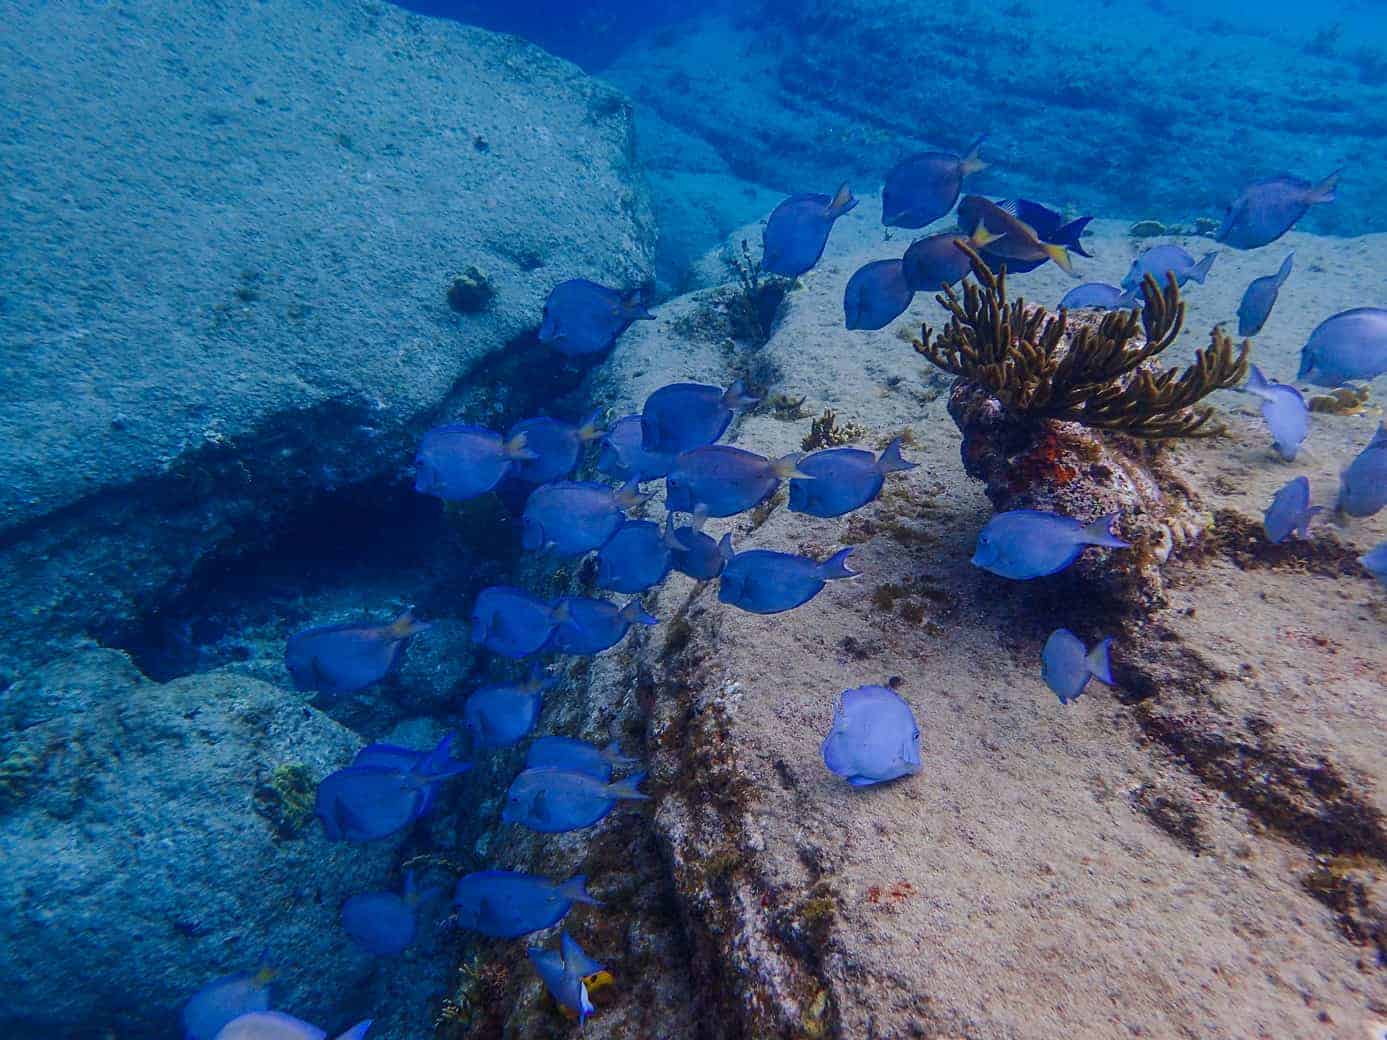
1039,367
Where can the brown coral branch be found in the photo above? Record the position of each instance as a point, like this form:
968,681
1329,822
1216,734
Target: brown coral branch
1096,375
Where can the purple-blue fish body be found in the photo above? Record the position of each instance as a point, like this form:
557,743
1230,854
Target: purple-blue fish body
1374,561
1048,226
935,261
588,626
1284,410
1363,484
681,416
386,923
510,621
623,458
553,800
876,295
1259,297
1067,667
367,802
1009,241
576,756
762,581
225,999
564,973
276,1025
457,462
583,318
1099,296
874,737
1290,511
499,714
506,905
1161,261
1350,345
1026,543
725,480
571,518
797,231
338,659
692,552
634,559
844,479
1271,207
555,444
923,187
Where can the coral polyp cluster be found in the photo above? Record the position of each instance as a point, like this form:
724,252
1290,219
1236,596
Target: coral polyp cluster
1044,366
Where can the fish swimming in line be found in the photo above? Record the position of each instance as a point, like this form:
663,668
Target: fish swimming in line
724,480
338,659
1260,296
1026,543
499,714
1269,208
1067,667
682,416
876,295
553,800
577,756
386,923
923,187
798,229
844,479
506,905
582,318
1162,261
555,445
457,461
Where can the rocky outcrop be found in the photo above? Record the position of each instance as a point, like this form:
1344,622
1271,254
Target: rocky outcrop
230,236
157,836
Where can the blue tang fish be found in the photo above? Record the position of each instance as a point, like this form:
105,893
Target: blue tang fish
563,972
582,317
844,479
935,261
499,714
1026,543
402,760
765,582
725,480
1375,562
367,802
224,999
1160,261
874,737
553,800
506,905
797,231
577,756
1270,208
571,518
457,462
1260,296
555,445
876,295
510,621
1099,296
681,416
691,551
1008,240
337,659
1048,226
1350,345
276,1025
623,458
1067,667
634,559
386,923
589,626
1363,485
1285,412
923,187
1290,510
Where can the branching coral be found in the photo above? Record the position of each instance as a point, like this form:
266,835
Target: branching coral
1095,375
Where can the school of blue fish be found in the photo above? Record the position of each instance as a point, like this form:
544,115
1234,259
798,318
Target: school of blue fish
677,437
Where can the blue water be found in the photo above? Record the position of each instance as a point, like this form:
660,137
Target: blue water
278,300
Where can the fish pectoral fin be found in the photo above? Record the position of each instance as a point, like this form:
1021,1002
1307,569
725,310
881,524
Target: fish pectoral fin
539,807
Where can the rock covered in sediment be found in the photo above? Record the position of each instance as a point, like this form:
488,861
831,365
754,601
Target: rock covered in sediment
157,836
230,240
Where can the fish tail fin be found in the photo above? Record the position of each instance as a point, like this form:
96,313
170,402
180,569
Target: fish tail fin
671,536
1201,269
357,1031
634,613
559,612
1099,532
575,890
891,461
983,235
842,201
630,495
539,679
1257,384
1060,255
439,764
1285,270
836,566
787,467
577,961
699,517
1099,663
633,305
725,549
407,625
626,788
735,398
612,753
972,161
1069,234
1328,189
516,448
593,428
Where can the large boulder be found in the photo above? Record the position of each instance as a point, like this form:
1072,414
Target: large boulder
230,234
157,836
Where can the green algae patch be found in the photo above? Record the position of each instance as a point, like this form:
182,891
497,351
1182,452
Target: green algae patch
286,799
